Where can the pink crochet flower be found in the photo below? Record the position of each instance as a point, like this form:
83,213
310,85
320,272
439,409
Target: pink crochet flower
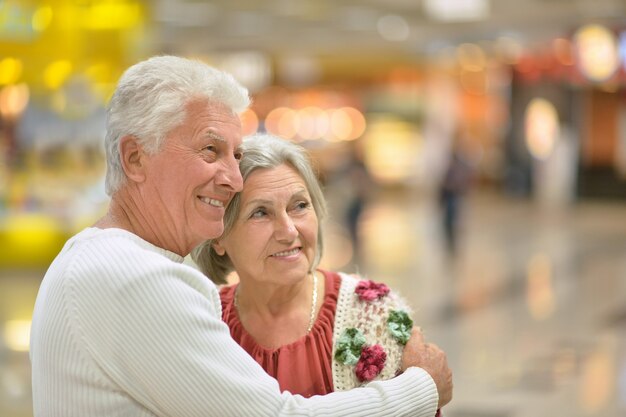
370,363
368,290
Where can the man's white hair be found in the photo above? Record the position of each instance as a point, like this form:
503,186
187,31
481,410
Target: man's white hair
150,101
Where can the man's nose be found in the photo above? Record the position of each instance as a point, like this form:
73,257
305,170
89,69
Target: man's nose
230,176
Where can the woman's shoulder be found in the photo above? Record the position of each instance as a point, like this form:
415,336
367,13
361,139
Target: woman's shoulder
374,321
359,291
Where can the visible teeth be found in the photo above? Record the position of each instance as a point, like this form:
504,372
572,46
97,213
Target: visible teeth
213,202
287,253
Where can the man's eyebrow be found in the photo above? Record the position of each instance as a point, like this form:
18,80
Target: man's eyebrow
215,136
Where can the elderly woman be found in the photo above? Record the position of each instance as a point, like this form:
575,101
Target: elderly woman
315,331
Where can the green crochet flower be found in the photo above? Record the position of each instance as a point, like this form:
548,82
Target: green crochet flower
349,346
400,324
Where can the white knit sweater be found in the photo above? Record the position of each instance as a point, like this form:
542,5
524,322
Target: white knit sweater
124,328
370,318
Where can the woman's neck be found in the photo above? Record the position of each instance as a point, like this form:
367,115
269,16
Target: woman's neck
275,316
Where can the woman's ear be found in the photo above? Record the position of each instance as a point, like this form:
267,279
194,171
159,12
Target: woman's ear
131,156
218,248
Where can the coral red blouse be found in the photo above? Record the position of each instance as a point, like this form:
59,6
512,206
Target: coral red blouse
304,366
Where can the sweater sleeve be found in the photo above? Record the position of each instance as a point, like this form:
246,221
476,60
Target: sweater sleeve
154,328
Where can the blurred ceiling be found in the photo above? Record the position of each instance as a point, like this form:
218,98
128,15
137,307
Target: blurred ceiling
344,28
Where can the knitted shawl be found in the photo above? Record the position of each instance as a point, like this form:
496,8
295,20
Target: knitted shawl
372,325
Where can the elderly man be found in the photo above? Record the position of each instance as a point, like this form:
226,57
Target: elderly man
122,327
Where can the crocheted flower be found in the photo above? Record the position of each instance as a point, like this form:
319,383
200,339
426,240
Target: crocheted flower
368,290
400,324
370,363
349,346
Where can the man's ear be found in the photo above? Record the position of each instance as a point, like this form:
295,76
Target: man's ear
131,156
218,248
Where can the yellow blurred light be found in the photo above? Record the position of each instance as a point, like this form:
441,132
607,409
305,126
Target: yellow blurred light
57,73
10,70
541,128
29,240
58,102
391,148
385,236
103,78
42,18
539,291
598,54
99,73
112,14
17,335
249,122
13,100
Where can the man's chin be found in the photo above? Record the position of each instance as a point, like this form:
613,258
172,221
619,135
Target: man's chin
214,230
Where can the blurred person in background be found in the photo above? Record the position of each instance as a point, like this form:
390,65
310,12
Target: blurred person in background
456,182
361,186
315,331
122,326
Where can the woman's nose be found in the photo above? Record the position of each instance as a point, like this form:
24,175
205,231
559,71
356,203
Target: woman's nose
285,229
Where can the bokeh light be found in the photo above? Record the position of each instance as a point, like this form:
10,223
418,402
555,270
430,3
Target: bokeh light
541,127
597,52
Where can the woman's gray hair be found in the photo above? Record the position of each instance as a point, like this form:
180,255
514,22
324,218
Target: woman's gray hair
263,151
150,99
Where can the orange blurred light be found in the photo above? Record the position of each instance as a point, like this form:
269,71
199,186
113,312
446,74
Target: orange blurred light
563,51
313,124
346,123
474,82
13,100
340,125
249,122
597,381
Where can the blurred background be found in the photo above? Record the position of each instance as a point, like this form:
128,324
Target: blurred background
473,153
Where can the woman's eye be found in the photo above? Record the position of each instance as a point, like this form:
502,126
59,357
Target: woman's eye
258,213
301,205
